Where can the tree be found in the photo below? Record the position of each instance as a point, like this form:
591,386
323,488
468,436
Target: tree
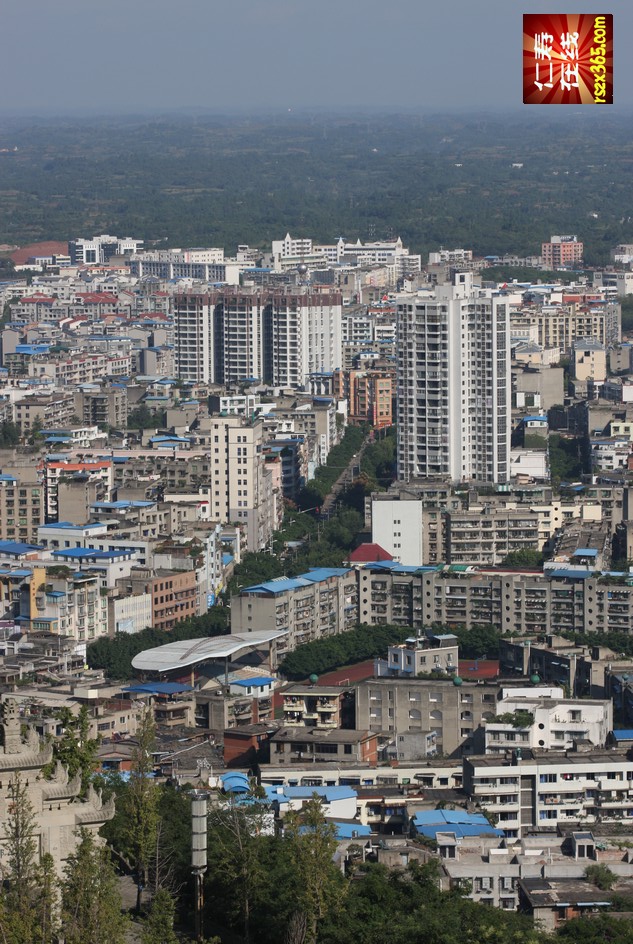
21,850
91,903
142,800
311,842
601,876
75,750
159,925
526,559
45,906
235,851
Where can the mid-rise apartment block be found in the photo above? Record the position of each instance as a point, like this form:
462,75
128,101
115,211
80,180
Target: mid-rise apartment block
22,507
533,789
561,252
320,603
402,705
533,719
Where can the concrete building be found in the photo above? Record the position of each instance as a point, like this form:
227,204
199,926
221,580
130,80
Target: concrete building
582,670
403,705
574,599
530,719
539,387
546,791
100,249
589,360
562,252
335,746
173,594
454,383
58,812
22,507
559,325
279,337
313,706
322,602
420,655
102,406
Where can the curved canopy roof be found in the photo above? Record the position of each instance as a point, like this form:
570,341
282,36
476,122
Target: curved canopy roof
188,652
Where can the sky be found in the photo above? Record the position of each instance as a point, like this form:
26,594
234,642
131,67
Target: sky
126,56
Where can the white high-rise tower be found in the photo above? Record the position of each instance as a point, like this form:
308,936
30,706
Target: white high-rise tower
454,383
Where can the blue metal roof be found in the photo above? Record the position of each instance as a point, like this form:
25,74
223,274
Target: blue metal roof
159,688
431,822
625,734
257,682
351,830
327,794
585,552
17,547
317,574
88,553
281,585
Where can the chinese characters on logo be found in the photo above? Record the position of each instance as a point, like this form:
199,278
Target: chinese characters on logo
568,59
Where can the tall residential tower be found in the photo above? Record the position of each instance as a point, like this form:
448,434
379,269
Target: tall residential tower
454,383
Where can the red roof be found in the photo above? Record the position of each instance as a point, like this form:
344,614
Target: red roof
369,554
96,298
37,300
479,668
22,256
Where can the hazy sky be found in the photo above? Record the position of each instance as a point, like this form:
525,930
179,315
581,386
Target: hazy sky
125,55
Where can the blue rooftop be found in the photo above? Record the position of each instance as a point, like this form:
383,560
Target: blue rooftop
17,548
258,682
351,830
625,734
431,822
159,688
89,553
326,794
585,552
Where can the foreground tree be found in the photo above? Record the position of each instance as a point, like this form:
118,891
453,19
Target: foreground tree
311,843
21,849
141,799
159,925
91,903
75,750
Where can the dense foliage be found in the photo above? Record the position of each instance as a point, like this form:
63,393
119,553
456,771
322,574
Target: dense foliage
9,434
115,655
143,418
565,458
526,559
323,655
215,181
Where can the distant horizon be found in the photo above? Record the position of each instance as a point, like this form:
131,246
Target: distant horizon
557,113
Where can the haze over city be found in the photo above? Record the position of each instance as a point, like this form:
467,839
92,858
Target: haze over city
74,57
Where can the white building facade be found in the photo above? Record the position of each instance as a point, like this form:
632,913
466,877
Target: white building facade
454,388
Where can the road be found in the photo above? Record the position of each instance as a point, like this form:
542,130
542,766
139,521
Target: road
346,478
